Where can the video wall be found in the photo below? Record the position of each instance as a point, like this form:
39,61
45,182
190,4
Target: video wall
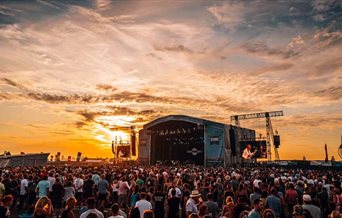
253,149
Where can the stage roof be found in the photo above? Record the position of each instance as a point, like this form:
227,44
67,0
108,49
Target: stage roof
180,118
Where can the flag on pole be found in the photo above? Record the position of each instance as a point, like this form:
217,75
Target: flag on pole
326,153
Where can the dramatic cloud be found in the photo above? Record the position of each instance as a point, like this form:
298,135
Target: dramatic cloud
12,83
91,67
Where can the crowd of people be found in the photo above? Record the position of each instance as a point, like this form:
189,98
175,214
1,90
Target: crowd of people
161,191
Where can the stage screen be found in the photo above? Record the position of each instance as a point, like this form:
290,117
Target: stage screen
123,151
257,149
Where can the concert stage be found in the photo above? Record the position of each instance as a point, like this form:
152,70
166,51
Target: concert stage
191,140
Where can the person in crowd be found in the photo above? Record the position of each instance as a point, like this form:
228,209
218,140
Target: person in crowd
258,206
122,192
91,209
335,214
337,198
202,211
135,196
185,198
135,213
69,207
323,197
255,195
23,191
43,187
240,207
191,204
178,191
52,180
213,207
69,191
103,187
307,205
115,190
13,189
268,213
173,205
242,192
115,211
291,197
143,204
88,187
32,195
78,184
57,197
5,206
298,212
274,203
148,214
159,201
43,207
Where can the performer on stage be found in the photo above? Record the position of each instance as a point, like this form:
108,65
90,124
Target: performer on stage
261,152
247,154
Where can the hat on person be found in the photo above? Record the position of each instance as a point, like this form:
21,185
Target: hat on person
194,194
306,198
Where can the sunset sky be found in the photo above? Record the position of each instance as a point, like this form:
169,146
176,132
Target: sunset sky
73,72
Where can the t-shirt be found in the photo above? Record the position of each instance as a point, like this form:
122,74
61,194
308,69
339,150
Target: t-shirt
173,207
291,196
43,186
96,178
78,184
256,183
213,208
58,190
253,214
143,205
123,186
52,181
14,187
23,186
140,182
178,192
94,211
191,206
314,210
88,187
103,186
159,199
69,192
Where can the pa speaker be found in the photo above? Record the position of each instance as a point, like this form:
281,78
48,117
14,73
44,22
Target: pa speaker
232,141
133,144
276,140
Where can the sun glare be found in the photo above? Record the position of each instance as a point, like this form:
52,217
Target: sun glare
106,135
119,135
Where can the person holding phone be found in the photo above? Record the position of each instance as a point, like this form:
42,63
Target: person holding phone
43,208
